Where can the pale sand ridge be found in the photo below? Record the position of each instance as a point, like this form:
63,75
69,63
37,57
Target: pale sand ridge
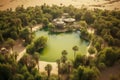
4,4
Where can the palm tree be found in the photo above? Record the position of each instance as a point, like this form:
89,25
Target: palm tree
10,43
69,68
48,68
64,52
28,61
36,57
31,24
75,48
64,58
58,62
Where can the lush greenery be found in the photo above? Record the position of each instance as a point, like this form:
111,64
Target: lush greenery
105,42
37,45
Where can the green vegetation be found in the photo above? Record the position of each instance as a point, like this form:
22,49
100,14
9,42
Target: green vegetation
91,50
86,73
48,68
75,48
10,43
37,45
105,42
12,70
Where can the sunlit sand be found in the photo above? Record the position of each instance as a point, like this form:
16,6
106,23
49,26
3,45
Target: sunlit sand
102,4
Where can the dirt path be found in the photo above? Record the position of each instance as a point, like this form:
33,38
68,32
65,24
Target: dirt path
20,55
90,31
19,48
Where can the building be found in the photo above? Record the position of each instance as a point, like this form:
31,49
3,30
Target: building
69,20
59,23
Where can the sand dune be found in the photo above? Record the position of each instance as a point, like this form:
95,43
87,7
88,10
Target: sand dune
4,4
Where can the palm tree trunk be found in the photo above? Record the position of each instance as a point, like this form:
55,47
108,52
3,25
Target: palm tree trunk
38,65
48,75
74,55
31,32
58,71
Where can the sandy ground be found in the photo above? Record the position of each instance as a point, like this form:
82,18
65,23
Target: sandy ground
35,28
90,31
4,4
42,65
18,47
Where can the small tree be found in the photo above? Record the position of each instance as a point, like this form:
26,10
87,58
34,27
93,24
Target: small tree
45,22
89,17
25,34
18,77
36,57
14,35
87,73
10,43
30,49
91,50
64,52
75,48
40,43
58,62
64,58
48,68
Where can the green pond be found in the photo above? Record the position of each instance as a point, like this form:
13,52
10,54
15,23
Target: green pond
56,43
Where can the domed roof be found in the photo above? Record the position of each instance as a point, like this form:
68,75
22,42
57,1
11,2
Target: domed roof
69,20
59,21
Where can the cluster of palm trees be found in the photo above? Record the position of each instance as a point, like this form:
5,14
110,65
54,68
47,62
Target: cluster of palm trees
64,65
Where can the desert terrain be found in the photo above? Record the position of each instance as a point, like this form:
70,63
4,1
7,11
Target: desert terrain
101,4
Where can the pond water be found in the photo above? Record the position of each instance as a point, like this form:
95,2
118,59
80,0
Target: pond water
56,43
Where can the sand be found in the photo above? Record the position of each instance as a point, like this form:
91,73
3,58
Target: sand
19,48
36,27
5,4
42,65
